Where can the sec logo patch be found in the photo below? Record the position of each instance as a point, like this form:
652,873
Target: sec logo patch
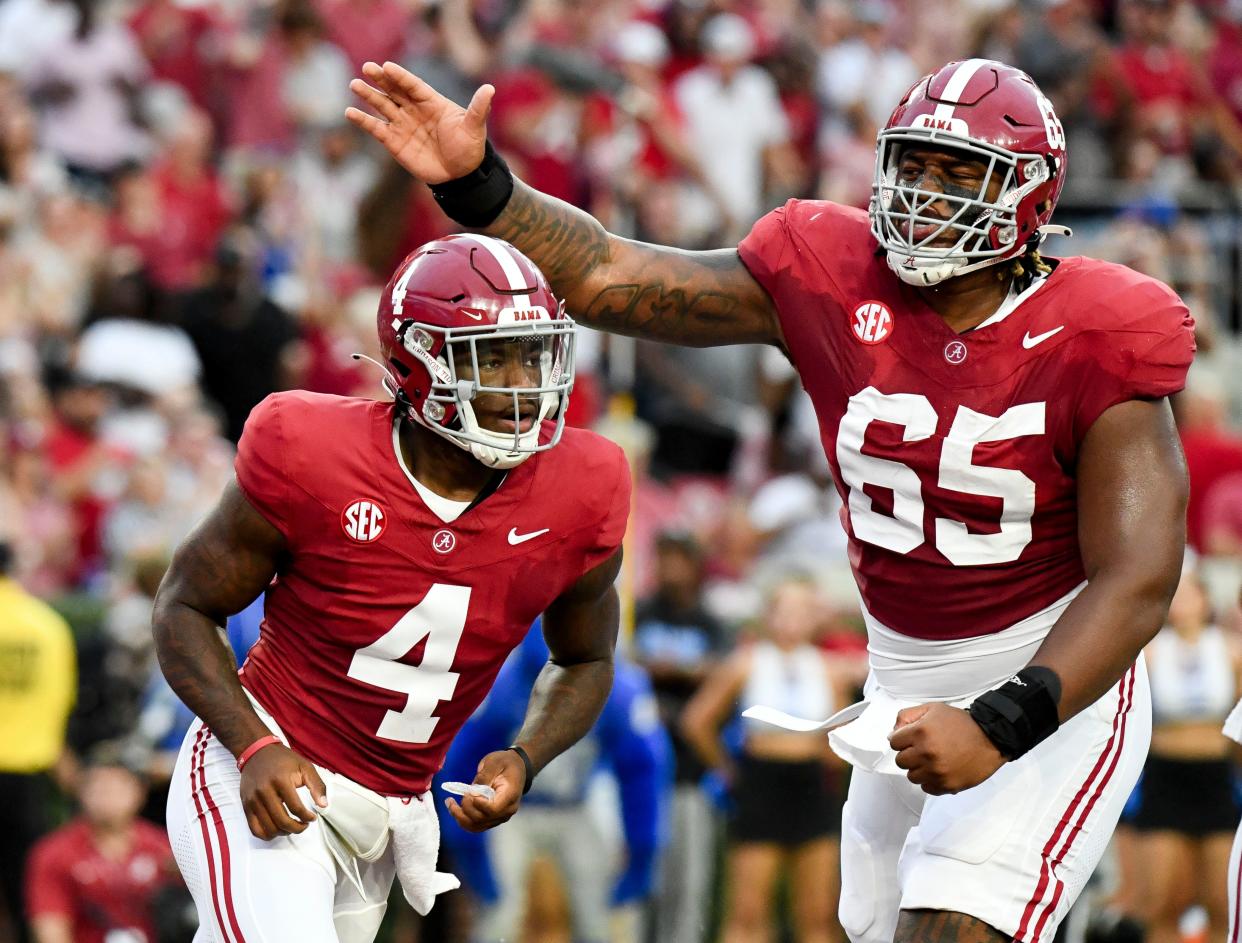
872,322
363,521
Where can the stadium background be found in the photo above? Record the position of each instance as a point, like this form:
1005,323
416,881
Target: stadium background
187,224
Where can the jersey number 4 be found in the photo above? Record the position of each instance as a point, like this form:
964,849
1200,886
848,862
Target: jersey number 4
904,530
440,619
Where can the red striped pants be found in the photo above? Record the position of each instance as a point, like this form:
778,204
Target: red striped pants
1014,851
252,891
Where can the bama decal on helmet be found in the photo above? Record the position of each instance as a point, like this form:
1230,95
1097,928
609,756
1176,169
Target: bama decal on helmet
951,125
519,315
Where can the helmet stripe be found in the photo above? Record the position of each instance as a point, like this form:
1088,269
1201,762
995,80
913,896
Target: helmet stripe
506,259
956,86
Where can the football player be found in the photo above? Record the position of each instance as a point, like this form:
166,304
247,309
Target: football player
405,548
998,428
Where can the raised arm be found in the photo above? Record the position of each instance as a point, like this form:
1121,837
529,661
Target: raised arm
700,299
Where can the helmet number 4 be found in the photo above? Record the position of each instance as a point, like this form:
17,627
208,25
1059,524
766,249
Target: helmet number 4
903,531
440,619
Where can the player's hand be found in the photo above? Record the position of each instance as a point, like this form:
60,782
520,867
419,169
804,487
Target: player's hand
942,749
505,773
269,784
433,138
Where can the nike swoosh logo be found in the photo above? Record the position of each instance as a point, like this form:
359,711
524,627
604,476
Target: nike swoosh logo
1028,342
471,314
515,538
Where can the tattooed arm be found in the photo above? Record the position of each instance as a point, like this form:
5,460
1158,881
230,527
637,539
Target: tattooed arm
700,299
218,570
580,628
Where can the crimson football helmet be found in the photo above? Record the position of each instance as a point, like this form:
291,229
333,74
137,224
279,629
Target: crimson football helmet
996,114
445,309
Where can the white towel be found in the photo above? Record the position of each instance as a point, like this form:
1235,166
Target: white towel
415,845
1233,723
864,743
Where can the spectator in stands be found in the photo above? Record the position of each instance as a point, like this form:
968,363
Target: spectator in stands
333,177
189,207
87,86
242,337
37,690
183,44
61,253
317,72
96,879
865,69
1064,50
777,771
367,29
678,642
1174,102
735,125
44,541
282,79
28,171
1213,450
1224,62
634,136
1188,808
87,471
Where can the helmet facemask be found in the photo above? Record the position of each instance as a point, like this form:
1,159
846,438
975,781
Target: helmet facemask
986,230
461,362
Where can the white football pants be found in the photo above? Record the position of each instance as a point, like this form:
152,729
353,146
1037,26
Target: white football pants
252,891
1014,851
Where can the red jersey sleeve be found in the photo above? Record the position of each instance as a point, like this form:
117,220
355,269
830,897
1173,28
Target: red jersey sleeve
1145,357
767,248
49,890
616,513
260,465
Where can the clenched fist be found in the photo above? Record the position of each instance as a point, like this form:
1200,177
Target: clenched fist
269,784
942,749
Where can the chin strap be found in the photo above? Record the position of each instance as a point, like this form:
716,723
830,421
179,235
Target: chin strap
1054,230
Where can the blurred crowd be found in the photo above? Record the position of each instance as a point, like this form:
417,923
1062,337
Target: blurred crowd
187,224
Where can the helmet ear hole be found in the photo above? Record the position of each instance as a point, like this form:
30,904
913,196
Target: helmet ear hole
401,368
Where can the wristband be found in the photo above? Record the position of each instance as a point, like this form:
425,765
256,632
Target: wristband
1021,713
245,755
530,767
476,199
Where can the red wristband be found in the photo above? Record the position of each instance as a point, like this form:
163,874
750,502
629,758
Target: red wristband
254,748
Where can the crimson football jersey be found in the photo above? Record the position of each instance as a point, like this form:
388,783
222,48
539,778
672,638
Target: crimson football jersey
385,629
955,454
